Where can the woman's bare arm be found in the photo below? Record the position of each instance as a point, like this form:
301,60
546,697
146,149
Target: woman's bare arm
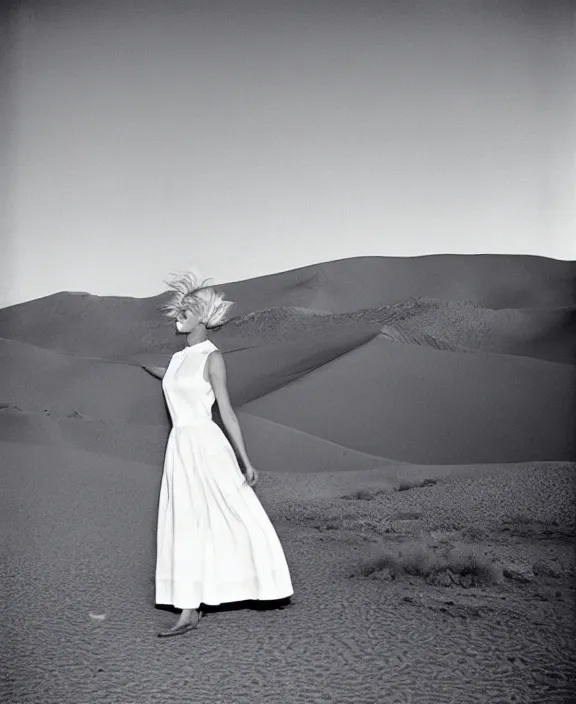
217,375
155,371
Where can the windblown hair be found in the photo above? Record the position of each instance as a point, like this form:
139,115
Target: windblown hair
192,294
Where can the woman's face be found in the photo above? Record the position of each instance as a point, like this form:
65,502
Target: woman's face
186,322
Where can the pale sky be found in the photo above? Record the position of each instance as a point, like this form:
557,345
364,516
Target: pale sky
139,137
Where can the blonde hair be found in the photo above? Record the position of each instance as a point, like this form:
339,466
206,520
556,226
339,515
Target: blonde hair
190,293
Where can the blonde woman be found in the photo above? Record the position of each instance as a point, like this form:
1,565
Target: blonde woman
215,542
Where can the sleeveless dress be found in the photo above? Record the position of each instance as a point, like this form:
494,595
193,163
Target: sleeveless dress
215,542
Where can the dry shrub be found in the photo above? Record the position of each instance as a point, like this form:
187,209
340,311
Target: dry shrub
462,566
333,520
407,484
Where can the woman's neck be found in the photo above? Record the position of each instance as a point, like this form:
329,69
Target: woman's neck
196,336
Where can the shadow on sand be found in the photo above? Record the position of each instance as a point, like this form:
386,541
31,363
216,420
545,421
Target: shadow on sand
251,604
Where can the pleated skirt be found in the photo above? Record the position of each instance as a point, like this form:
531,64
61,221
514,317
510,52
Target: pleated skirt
215,542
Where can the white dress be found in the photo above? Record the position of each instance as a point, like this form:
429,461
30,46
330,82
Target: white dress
215,542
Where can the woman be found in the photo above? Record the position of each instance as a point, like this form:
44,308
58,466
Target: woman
215,543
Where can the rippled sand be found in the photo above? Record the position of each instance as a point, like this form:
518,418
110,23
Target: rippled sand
79,621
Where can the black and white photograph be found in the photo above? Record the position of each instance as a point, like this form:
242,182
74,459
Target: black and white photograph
288,351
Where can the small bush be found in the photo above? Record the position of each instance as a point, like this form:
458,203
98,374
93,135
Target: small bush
407,484
460,566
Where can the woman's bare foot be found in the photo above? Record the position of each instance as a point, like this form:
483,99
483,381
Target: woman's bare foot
186,623
186,617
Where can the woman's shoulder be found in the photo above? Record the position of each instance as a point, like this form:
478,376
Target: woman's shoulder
214,356
213,352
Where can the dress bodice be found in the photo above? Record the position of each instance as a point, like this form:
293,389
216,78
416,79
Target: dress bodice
188,395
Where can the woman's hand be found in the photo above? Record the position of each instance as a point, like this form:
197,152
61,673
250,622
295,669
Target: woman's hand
250,475
158,372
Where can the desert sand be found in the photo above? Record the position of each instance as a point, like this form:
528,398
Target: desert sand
413,421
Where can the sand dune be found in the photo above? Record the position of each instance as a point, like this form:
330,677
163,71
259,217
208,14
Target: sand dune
63,383
450,325
373,395
122,440
427,406
17,425
273,447
45,380
278,448
547,334
99,326
491,281
413,423
114,326
254,372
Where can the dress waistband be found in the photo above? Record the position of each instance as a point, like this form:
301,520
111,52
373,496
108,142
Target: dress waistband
198,421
